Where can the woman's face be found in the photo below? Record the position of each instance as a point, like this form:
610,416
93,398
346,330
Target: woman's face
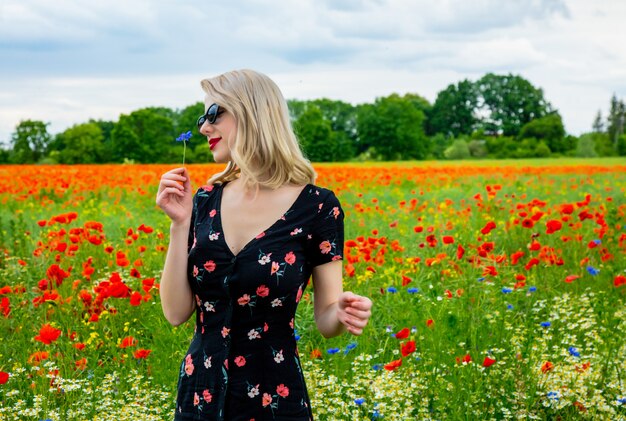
221,133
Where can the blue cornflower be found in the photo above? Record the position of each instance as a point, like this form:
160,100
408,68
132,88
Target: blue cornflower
359,401
506,290
545,324
392,290
532,289
554,395
184,137
413,290
597,241
481,279
509,306
621,401
349,347
333,350
377,367
573,351
592,271
376,414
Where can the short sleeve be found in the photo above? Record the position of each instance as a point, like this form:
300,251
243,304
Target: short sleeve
326,237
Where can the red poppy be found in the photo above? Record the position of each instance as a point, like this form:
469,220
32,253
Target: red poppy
48,334
403,334
619,280
128,341
553,226
488,362
142,353
407,348
4,377
430,322
393,365
547,366
406,280
569,279
488,227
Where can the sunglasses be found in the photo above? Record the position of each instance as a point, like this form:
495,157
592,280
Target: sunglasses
211,115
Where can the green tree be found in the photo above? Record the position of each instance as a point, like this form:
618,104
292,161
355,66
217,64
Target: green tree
394,127
508,102
549,129
81,144
30,141
453,112
586,147
598,123
315,135
616,120
144,136
458,150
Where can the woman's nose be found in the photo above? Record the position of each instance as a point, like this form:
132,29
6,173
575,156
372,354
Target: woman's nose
205,129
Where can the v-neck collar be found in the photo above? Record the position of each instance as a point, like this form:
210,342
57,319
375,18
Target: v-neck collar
218,206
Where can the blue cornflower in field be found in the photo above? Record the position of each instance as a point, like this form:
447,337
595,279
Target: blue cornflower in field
545,324
333,350
184,137
392,290
509,306
481,279
621,401
377,367
413,290
573,351
532,289
592,271
554,395
597,241
349,347
359,401
506,290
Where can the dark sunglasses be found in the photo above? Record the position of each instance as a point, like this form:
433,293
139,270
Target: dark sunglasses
211,115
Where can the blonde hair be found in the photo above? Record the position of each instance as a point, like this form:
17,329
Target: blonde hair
266,151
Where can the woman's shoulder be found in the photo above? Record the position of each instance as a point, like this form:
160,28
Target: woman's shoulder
207,191
321,195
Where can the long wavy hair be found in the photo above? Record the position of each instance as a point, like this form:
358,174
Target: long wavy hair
265,150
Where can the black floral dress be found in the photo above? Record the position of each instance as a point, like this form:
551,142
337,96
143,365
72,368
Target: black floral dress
242,363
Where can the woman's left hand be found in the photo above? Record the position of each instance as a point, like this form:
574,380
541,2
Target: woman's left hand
353,311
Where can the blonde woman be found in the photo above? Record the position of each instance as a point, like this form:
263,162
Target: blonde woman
241,252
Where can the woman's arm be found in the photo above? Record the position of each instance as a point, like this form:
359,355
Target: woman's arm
335,310
176,200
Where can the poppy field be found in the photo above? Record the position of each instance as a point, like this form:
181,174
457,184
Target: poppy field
498,287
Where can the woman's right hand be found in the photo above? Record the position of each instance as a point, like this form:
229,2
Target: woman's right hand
175,199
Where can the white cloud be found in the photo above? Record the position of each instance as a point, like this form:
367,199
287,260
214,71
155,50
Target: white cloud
84,60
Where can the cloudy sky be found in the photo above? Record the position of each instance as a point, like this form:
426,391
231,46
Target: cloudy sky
66,61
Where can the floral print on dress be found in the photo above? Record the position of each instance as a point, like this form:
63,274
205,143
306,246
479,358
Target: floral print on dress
243,363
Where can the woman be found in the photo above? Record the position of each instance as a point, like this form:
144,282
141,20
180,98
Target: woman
241,252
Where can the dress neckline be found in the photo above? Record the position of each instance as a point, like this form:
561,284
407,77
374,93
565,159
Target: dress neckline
218,206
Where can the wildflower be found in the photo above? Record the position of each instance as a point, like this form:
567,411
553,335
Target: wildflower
430,322
413,290
509,306
184,137
48,334
619,280
392,290
532,289
506,290
408,348
547,366
349,347
592,271
545,324
482,278
333,350
488,362
393,365
143,354
359,401
569,279
554,395
573,351
4,377
403,334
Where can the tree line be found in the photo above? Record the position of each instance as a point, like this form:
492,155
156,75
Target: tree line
497,116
